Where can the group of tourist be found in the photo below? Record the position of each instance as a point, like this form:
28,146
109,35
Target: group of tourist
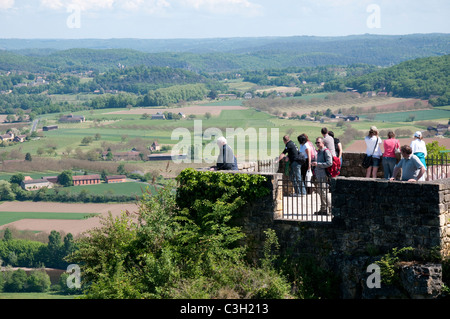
311,160
412,163
308,160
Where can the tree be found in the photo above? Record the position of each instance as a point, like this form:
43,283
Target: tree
121,169
7,235
86,140
28,157
17,178
65,178
38,281
6,192
16,281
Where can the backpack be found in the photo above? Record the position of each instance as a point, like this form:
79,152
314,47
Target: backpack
300,158
335,169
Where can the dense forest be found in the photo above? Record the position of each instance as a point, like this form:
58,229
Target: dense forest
425,78
156,73
218,55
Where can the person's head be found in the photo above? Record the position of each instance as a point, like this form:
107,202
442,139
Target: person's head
418,135
319,143
373,131
331,133
406,150
221,141
306,136
286,139
302,139
391,134
324,131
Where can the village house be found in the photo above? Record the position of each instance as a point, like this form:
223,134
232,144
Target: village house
7,137
86,179
20,138
440,129
115,179
155,147
72,119
158,116
35,184
50,128
51,179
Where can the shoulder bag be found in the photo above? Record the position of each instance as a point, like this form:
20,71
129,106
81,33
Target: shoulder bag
368,159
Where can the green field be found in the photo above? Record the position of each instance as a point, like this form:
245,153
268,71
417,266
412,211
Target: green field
419,115
34,295
125,131
9,217
127,188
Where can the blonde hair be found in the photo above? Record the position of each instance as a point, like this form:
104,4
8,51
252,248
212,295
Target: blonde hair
373,131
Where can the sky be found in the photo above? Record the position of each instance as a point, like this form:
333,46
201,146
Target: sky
169,19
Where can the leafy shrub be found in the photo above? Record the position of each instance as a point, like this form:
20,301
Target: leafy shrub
180,246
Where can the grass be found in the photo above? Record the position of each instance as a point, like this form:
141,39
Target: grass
34,295
113,127
127,188
9,217
419,115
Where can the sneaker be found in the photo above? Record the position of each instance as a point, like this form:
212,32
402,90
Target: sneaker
321,212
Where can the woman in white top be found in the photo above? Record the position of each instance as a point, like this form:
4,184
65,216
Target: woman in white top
373,148
419,148
305,148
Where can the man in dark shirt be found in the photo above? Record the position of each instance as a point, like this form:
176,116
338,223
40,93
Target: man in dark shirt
295,167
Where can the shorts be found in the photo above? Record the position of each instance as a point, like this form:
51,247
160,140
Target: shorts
376,162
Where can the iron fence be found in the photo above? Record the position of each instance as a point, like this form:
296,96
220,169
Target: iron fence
314,205
437,167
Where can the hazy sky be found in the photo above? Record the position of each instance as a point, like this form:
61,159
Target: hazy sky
157,19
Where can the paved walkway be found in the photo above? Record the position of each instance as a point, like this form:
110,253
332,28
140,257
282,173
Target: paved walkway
302,208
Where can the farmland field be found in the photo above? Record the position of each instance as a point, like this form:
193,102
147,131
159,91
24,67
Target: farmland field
127,188
35,215
9,217
419,115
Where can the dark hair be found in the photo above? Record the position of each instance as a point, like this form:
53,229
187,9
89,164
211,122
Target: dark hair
406,149
286,138
324,130
331,133
391,134
302,139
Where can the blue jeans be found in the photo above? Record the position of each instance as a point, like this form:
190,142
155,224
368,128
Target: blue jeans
296,177
388,166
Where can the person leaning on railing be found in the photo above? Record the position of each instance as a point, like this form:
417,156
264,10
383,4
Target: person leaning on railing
412,167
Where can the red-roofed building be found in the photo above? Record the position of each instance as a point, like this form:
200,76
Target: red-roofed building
86,179
115,179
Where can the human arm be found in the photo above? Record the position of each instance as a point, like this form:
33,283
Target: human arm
421,172
395,172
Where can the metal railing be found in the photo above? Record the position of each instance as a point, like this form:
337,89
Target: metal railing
315,205
308,207
437,167
268,166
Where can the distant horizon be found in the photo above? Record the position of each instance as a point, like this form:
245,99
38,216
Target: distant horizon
206,19
232,37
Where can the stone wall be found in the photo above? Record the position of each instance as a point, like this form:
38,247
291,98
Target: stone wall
371,216
351,165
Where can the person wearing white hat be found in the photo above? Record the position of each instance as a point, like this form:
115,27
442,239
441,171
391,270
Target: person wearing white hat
419,148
